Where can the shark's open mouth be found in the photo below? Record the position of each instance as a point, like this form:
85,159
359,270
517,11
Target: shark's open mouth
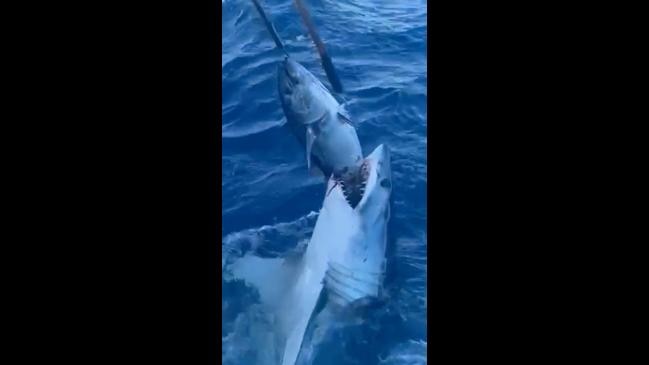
353,184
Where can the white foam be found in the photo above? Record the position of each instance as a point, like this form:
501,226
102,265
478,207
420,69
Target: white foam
293,234
411,352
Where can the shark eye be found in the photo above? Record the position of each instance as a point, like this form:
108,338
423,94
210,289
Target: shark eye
386,183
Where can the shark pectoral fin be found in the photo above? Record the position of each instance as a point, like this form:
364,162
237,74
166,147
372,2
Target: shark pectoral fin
310,138
270,276
294,342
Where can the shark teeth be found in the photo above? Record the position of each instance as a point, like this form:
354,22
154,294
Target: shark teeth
353,186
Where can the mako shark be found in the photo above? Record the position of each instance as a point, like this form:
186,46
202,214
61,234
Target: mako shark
345,258
319,121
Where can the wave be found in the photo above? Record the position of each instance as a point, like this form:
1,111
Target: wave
378,48
232,130
409,353
268,240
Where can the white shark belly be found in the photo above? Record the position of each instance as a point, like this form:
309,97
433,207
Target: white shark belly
337,224
347,250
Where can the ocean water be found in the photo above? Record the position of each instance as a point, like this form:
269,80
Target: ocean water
270,202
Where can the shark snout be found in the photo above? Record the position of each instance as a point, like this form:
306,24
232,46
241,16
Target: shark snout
381,157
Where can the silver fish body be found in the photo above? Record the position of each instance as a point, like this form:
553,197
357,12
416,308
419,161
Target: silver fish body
320,124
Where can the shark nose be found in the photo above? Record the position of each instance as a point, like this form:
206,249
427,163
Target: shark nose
383,160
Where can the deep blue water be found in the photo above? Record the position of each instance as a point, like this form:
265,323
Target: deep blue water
270,201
